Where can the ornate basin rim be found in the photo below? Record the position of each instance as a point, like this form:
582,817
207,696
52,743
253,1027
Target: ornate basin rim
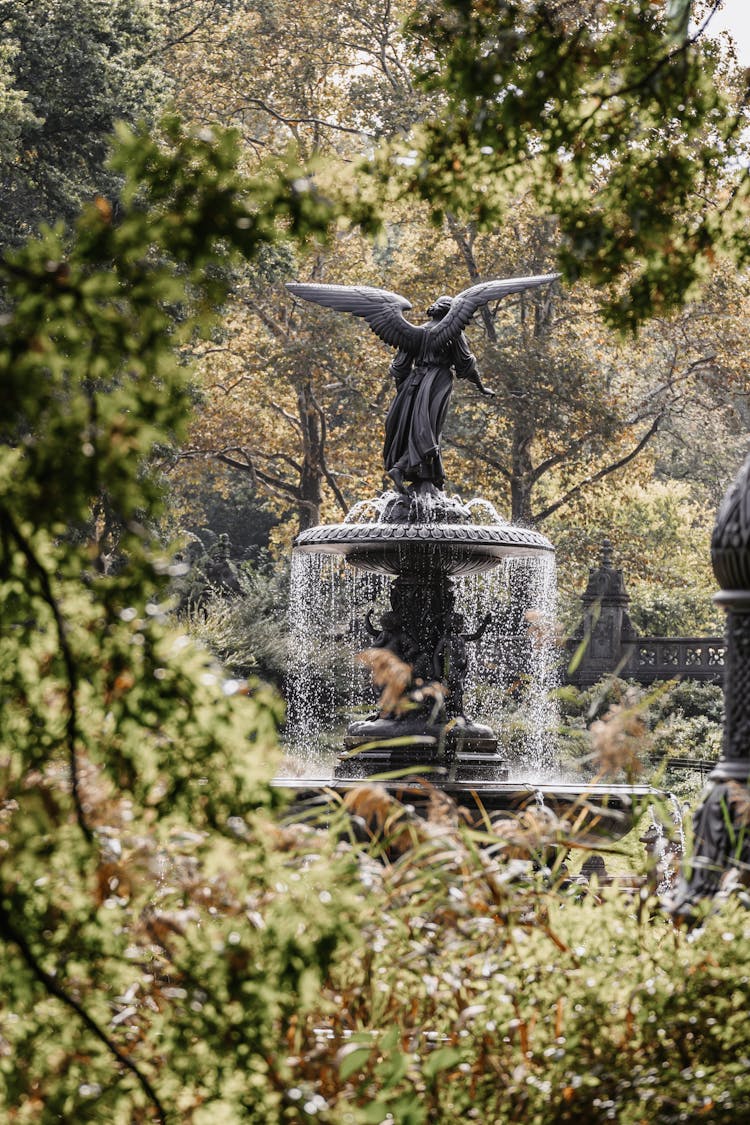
340,538
395,548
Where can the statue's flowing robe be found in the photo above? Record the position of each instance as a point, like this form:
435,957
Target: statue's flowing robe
416,416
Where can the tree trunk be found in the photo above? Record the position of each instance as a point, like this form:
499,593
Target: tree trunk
311,477
522,480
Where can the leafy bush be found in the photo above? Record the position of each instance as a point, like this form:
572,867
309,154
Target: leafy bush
692,699
248,633
487,990
679,720
687,699
686,612
695,737
145,940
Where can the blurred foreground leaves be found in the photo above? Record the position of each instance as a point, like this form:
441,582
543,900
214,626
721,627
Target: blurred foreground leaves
605,113
126,759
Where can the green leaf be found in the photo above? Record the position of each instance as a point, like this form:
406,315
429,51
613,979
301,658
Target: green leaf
352,1058
442,1059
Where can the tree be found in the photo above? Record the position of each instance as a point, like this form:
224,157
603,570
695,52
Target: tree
329,77
170,953
660,533
632,137
280,404
112,724
575,401
70,69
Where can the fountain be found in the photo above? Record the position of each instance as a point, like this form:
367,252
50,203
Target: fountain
424,547
424,541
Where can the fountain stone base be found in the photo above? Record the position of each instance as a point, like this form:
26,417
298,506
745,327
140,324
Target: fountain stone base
462,750
423,540
601,813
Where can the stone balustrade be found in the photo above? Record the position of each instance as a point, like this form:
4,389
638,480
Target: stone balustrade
665,658
606,643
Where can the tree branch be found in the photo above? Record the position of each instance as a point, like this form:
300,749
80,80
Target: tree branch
185,34
281,457
291,121
273,325
480,457
323,463
467,252
571,493
9,932
285,414
276,484
71,672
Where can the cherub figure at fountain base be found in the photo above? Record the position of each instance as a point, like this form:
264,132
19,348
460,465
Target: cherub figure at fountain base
460,749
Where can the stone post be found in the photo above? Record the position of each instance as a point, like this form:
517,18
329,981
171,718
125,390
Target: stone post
722,821
606,628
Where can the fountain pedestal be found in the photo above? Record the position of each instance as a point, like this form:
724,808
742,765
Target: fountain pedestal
425,541
459,752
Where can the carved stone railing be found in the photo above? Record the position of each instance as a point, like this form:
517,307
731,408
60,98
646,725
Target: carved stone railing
606,642
665,658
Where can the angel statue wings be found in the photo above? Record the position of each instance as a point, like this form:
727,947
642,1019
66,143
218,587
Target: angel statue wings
428,355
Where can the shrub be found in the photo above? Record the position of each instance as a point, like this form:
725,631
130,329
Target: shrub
656,612
680,720
692,698
248,631
487,990
696,737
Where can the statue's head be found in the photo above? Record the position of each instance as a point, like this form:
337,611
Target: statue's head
438,310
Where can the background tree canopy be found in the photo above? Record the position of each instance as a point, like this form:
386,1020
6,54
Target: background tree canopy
630,131
558,169
69,70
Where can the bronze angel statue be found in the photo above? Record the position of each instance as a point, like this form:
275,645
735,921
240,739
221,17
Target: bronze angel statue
427,356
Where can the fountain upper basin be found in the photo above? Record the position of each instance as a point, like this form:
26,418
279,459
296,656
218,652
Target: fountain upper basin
396,548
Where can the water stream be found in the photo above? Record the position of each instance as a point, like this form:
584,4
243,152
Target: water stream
511,667
667,846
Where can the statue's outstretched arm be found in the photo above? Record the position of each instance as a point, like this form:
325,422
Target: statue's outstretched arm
465,364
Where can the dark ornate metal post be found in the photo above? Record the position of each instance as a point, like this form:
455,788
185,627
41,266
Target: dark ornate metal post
722,821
